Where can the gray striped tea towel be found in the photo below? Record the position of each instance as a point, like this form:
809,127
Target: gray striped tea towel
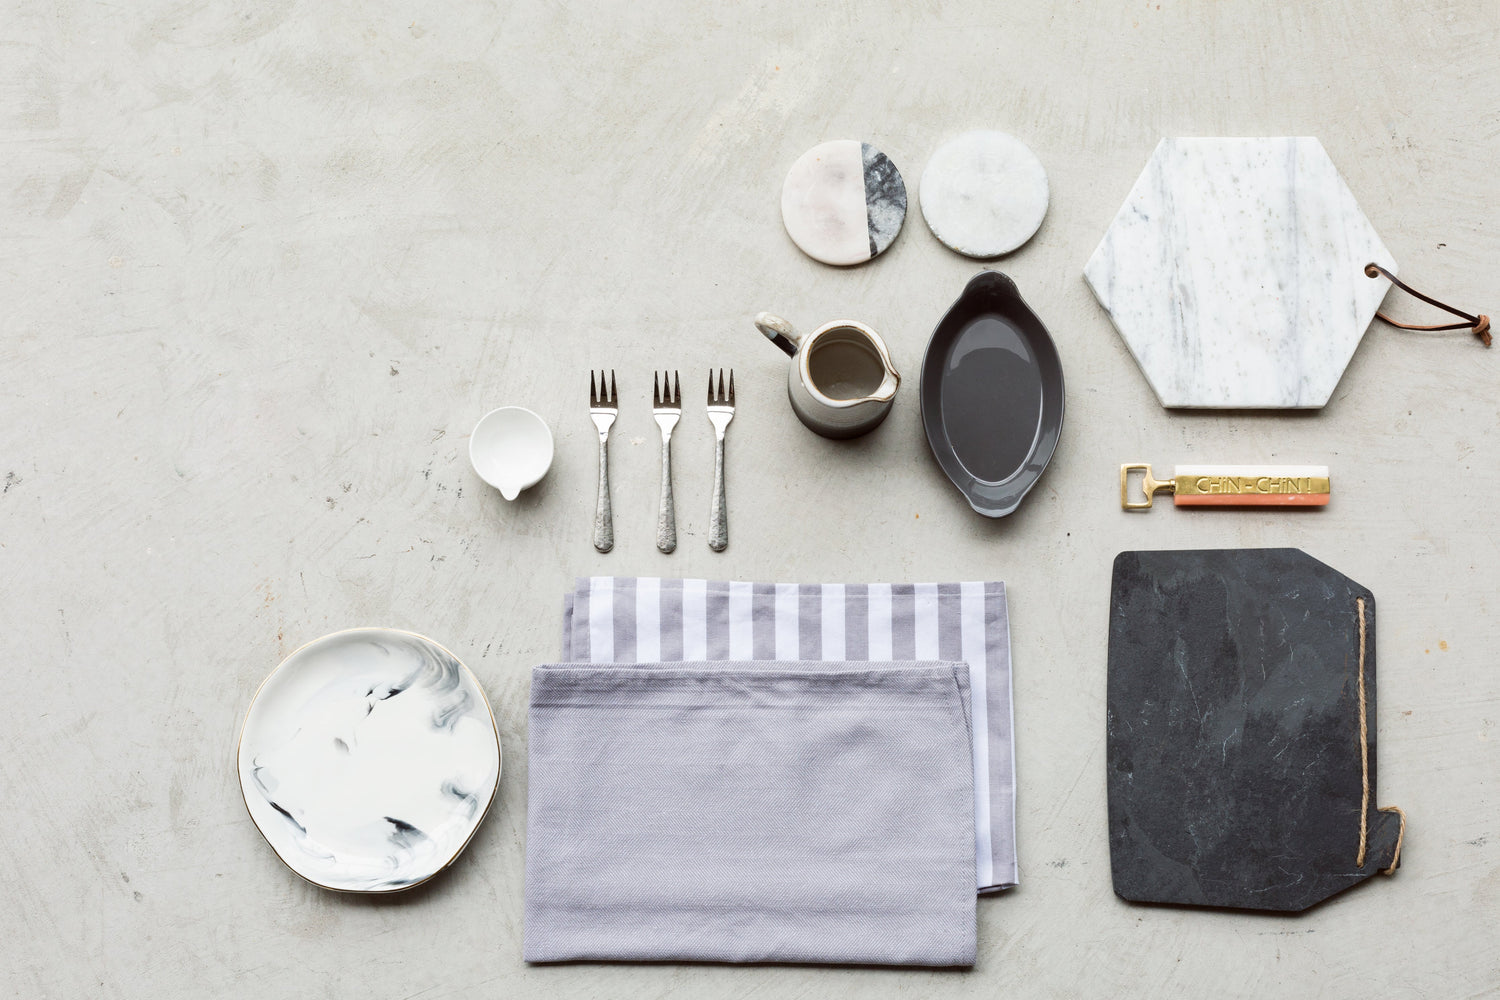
750,812
644,619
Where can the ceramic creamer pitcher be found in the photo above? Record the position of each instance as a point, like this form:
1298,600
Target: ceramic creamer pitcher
841,381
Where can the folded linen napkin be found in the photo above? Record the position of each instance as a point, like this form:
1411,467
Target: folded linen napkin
750,812
629,619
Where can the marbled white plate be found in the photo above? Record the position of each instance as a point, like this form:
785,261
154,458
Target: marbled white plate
368,759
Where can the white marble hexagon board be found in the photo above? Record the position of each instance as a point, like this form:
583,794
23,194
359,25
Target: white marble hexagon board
1234,272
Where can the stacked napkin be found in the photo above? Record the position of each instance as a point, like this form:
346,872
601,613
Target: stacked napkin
641,620
770,772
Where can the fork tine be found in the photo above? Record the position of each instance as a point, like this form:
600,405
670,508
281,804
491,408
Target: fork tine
731,387
677,388
710,385
593,396
614,396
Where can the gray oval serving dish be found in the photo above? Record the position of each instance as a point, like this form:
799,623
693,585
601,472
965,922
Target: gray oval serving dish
992,395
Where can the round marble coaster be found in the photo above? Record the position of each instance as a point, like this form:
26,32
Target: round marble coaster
843,202
984,193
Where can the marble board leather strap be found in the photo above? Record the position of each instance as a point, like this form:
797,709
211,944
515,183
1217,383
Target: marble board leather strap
1235,744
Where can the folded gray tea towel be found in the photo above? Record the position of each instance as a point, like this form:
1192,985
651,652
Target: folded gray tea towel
623,619
763,811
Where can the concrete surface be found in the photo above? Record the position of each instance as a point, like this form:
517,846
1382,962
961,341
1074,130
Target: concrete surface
265,264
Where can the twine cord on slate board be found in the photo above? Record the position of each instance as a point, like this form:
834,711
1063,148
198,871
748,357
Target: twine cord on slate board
1479,324
1364,764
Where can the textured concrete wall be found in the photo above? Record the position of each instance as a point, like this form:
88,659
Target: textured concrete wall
263,266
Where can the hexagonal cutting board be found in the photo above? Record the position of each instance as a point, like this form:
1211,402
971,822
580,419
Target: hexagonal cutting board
1235,273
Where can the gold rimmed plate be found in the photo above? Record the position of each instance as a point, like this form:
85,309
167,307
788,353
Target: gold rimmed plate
368,759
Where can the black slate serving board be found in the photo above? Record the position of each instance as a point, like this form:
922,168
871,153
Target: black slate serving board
1234,730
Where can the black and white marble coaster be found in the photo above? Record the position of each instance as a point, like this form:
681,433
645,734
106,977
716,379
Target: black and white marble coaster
843,202
984,193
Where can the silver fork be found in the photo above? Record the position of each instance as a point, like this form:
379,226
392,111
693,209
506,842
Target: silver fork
604,406
666,407
720,412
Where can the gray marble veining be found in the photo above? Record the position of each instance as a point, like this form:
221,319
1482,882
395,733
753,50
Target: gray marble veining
1234,271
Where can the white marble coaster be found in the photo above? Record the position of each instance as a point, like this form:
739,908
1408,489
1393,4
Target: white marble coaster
1235,273
984,193
843,202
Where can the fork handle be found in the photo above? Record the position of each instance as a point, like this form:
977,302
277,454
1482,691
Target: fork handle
666,517
604,518
718,525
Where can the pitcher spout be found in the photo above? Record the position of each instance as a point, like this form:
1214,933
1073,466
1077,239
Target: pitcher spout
888,386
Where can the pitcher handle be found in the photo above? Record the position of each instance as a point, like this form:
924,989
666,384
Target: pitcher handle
779,332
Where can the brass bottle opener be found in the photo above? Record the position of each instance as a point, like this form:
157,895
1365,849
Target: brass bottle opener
1231,486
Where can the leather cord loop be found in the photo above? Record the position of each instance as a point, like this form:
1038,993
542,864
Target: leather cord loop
1364,763
1480,324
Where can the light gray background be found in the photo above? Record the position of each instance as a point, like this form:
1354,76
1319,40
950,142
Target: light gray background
264,265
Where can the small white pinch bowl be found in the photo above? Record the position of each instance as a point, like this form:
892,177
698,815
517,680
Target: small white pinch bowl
511,449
